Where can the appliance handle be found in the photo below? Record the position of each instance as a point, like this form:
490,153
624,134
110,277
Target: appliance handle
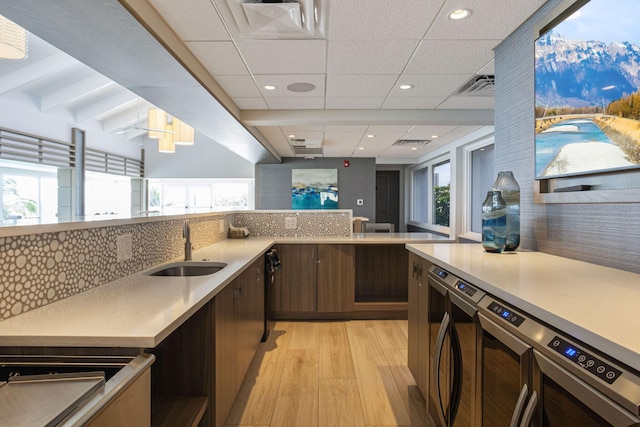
519,406
444,327
456,390
530,409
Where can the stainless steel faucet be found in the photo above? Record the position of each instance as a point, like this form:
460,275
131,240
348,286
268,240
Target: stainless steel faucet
186,233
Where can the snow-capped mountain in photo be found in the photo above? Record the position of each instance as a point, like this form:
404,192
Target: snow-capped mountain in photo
578,73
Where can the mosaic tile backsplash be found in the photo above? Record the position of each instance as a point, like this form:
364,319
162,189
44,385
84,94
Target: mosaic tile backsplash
308,223
38,269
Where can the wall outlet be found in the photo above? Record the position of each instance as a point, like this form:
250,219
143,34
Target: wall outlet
221,225
124,247
290,223
360,202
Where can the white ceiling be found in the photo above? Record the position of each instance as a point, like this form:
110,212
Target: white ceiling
366,50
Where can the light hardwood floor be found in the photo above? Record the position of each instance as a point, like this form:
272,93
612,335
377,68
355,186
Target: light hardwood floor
326,374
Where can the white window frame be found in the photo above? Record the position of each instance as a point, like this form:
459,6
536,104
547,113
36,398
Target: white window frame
204,182
429,225
467,151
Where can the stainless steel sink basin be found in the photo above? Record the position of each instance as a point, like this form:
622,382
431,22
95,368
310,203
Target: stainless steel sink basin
187,269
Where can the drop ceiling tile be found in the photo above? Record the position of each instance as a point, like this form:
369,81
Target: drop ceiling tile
192,20
368,56
293,103
359,85
251,103
447,56
468,102
209,54
380,19
429,84
493,19
412,102
355,102
427,132
282,81
284,56
239,86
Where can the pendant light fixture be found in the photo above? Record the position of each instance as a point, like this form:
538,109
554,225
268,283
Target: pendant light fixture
168,130
13,40
183,134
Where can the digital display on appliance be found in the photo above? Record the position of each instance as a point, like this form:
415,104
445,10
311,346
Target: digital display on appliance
587,90
570,352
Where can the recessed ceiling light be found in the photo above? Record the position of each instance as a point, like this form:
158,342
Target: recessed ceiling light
292,136
434,136
371,135
459,14
361,148
406,87
414,148
270,87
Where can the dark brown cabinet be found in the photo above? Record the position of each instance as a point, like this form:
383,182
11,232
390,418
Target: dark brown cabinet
238,328
418,360
313,279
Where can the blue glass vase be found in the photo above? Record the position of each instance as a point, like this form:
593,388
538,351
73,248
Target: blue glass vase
494,222
510,189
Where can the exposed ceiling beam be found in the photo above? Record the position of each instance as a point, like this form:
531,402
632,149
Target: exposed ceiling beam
74,91
106,105
45,67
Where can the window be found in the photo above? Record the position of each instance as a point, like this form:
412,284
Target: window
29,196
478,179
431,195
441,193
106,194
420,195
178,196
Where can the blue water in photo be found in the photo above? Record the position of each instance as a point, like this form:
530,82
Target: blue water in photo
548,144
311,198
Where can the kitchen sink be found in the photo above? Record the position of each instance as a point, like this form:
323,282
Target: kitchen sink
187,269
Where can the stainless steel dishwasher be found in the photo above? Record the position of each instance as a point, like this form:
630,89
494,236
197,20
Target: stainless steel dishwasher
453,329
75,390
573,384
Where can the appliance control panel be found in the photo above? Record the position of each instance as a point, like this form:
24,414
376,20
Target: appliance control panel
506,314
440,272
580,357
466,288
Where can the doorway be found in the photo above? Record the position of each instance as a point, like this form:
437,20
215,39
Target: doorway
388,197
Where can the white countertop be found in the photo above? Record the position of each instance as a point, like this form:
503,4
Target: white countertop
140,311
597,305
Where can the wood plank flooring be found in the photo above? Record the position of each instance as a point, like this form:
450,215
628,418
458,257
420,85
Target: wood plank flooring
325,374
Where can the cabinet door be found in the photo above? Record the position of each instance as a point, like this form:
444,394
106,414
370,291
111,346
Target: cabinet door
250,321
226,342
336,278
418,359
414,314
295,287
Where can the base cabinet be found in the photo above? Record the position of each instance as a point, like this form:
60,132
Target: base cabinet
238,328
313,279
418,359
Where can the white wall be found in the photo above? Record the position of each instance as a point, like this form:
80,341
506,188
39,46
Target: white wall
204,159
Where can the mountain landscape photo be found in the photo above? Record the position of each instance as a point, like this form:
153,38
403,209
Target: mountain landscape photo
587,92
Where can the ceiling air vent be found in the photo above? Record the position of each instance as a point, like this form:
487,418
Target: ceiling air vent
412,142
277,19
481,85
302,148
